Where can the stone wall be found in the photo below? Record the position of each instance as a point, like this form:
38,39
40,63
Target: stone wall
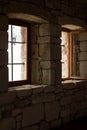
80,54
45,54
42,107
51,104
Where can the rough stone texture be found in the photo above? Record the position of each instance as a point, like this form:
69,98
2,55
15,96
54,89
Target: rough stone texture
32,115
31,128
7,124
52,111
3,22
42,107
44,126
44,51
3,78
38,98
16,112
3,40
35,72
55,123
3,57
6,98
53,4
49,30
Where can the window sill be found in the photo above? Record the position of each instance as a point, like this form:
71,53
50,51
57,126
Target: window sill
73,81
32,88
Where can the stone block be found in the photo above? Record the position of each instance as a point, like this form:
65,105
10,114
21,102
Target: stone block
48,76
8,97
3,57
55,52
82,36
37,89
45,64
49,89
56,123
34,51
7,124
3,22
43,97
44,51
3,78
82,56
35,70
48,39
31,128
0,114
53,4
83,46
44,126
51,111
65,113
49,30
3,40
65,100
45,39
32,115
38,2
16,112
83,69
24,93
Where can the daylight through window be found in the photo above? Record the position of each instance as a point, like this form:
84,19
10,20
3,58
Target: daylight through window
17,53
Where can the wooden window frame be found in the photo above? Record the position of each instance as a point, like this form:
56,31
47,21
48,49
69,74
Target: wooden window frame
28,80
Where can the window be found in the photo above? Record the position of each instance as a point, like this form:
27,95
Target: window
74,54
18,53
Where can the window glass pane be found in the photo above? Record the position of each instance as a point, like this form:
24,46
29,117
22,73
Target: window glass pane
65,54
19,72
19,33
19,53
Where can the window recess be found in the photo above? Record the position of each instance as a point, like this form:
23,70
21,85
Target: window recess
74,54
18,54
